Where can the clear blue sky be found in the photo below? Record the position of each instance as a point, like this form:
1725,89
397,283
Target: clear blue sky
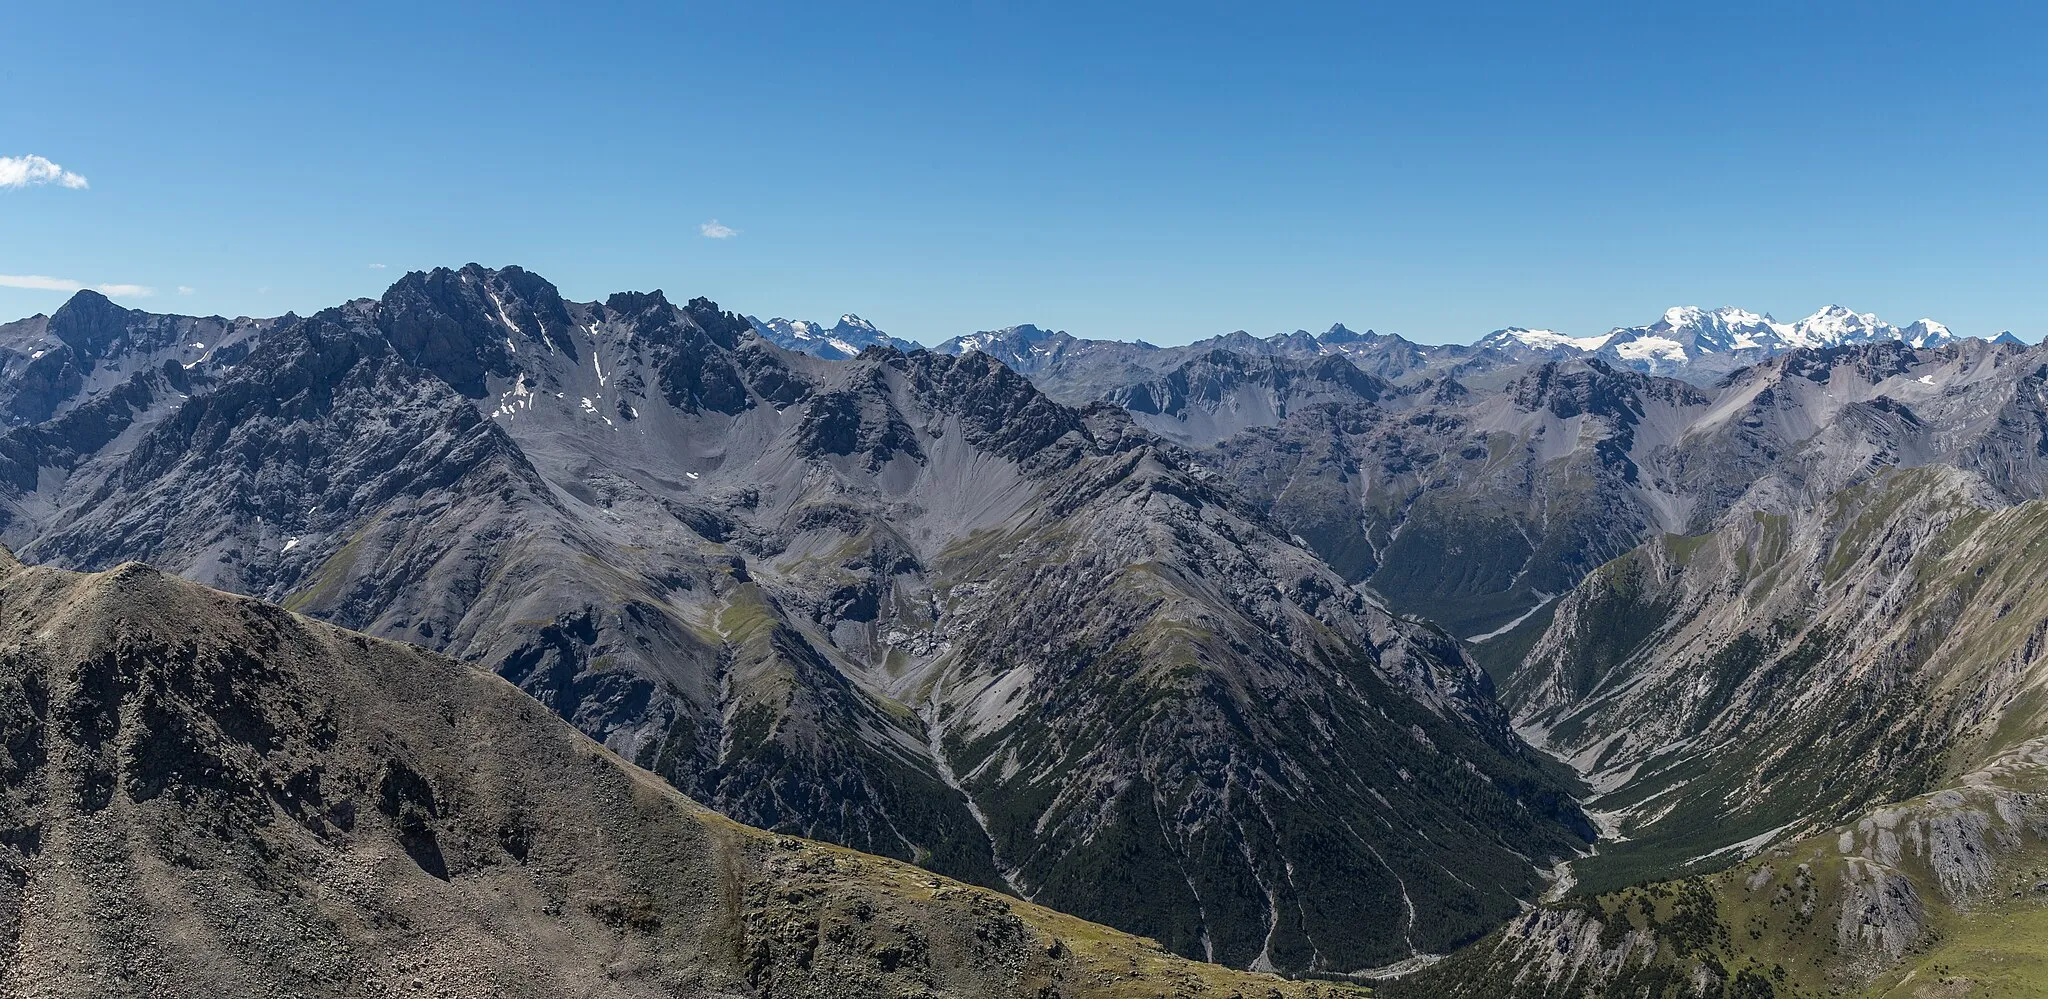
1165,172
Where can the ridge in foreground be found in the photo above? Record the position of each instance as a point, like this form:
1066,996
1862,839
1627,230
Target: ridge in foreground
204,794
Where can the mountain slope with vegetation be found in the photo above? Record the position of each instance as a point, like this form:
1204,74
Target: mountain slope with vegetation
209,795
1943,894
1784,672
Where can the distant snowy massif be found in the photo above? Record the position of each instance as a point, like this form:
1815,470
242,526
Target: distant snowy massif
1687,341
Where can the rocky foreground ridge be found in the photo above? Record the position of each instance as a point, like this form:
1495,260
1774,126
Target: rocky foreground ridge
208,795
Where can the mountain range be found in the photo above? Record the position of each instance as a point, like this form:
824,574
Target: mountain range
1698,345
1330,655
906,603
1691,343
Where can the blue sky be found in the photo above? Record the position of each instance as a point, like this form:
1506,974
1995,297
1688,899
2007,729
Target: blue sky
1165,172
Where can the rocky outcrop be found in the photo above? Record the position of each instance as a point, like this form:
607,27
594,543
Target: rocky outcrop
1216,394
91,347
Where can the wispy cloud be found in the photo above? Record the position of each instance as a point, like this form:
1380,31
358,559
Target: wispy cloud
38,282
27,171
718,230
376,267
186,289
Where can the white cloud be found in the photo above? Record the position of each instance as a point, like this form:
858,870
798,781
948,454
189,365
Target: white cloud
718,230
376,267
38,282
186,289
23,171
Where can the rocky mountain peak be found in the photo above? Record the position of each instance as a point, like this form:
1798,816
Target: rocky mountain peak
1338,333
453,323
1299,341
1574,388
89,323
626,305
724,327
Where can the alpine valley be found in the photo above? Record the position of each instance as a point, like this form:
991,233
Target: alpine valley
1705,657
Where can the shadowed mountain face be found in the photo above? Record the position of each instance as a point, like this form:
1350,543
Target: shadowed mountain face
1219,393
906,603
208,795
1527,478
92,346
1474,507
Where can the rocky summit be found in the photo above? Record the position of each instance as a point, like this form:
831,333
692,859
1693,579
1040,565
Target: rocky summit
1695,658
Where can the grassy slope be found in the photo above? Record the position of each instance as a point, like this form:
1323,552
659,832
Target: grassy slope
209,796
1824,675
1798,922
1947,678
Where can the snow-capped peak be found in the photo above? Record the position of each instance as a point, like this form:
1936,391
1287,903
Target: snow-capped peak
1025,336
1925,332
1837,325
1548,339
1693,316
1688,333
1725,328
838,342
